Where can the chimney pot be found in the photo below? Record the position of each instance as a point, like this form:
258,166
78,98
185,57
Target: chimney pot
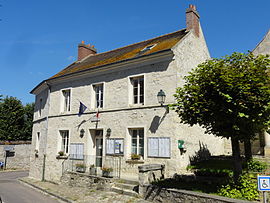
192,20
85,50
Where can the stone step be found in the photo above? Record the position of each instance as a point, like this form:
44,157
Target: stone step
124,191
126,186
130,182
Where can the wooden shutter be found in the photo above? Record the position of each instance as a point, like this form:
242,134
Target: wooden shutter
159,147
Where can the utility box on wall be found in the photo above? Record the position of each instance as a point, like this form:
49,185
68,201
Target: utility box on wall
181,144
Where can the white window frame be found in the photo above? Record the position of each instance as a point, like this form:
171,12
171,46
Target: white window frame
66,101
37,141
64,141
94,97
158,147
137,141
131,90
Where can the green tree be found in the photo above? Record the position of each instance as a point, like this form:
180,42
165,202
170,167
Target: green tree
229,97
28,121
15,119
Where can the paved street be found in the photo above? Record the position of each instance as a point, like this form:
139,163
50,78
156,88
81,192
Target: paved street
11,191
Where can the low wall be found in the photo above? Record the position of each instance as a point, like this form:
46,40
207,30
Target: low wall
84,180
21,158
157,194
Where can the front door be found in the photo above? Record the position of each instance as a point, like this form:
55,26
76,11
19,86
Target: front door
99,147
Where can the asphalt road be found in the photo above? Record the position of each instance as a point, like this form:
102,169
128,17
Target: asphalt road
12,191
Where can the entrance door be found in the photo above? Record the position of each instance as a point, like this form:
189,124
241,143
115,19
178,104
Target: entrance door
99,147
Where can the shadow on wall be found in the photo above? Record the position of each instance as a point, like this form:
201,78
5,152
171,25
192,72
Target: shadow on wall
157,120
201,155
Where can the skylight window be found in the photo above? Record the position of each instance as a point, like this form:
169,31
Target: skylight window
148,47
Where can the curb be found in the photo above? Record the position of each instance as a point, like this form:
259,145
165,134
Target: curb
43,190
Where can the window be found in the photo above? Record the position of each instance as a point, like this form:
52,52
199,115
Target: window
66,100
115,146
137,141
98,89
76,151
64,141
40,107
138,90
37,140
159,147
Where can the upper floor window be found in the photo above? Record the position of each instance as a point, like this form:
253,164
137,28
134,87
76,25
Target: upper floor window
40,107
64,141
138,89
37,140
66,100
98,89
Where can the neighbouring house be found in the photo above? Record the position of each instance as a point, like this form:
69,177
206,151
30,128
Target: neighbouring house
261,145
102,110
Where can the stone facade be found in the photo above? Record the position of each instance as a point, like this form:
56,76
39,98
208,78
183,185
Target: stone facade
164,70
21,158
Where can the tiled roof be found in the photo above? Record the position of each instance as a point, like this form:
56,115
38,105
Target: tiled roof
161,43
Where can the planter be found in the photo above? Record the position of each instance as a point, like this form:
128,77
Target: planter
61,157
107,174
80,169
93,171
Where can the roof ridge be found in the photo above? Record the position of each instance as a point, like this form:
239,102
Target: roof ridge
113,50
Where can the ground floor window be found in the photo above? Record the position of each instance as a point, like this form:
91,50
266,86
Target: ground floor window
65,141
137,141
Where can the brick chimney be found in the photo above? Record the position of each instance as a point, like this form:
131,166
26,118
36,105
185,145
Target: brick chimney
85,50
192,20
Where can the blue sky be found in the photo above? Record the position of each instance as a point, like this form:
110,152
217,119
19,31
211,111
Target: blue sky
39,38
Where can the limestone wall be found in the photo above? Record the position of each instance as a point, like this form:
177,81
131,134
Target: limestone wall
21,158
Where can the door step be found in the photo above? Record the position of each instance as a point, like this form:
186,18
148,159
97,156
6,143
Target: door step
126,187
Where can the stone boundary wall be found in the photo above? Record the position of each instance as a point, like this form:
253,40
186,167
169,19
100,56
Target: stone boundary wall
21,158
157,194
88,181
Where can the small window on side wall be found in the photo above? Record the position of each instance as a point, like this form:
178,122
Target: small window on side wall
66,100
98,89
159,147
40,107
64,141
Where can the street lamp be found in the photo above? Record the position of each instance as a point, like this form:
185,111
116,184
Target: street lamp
161,97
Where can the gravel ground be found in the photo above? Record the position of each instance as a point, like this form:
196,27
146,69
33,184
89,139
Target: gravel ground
80,194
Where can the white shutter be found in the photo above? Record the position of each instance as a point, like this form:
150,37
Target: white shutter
153,146
72,151
164,147
76,151
110,146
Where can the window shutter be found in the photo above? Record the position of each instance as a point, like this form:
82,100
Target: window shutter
76,150
153,146
110,146
164,147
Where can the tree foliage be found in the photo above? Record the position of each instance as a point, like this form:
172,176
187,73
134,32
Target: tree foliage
15,119
228,96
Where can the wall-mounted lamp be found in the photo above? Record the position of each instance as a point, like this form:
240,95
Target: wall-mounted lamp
82,133
161,97
109,131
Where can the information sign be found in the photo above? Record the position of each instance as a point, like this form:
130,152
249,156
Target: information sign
263,183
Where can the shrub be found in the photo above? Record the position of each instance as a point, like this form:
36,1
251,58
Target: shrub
256,166
245,189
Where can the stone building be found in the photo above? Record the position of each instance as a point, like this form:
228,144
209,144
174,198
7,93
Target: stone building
262,144
103,108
